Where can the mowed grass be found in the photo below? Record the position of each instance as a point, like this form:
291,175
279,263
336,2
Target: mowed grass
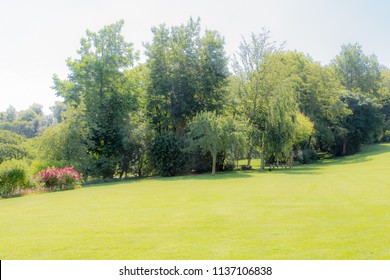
338,209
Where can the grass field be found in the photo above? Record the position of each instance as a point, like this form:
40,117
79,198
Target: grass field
336,209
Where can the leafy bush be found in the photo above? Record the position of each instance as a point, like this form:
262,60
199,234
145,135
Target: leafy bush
58,178
14,175
168,155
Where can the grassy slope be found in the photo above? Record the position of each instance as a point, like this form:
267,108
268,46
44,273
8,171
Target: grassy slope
331,210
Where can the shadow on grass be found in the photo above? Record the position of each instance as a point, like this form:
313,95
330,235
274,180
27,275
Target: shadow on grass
198,177
363,156
112,182
304,169
207,176
314,168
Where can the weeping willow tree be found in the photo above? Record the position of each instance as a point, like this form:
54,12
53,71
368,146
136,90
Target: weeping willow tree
212,133
250,80
276,117
281,126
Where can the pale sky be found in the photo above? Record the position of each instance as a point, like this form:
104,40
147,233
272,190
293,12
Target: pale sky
37,36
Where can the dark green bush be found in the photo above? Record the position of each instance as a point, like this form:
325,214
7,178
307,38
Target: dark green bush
305,156
168,155
14,175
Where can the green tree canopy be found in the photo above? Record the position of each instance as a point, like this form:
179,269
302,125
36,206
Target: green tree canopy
187,74
357,71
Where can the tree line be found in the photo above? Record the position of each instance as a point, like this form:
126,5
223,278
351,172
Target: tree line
191,108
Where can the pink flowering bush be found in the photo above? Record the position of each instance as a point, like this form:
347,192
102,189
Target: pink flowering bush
58,178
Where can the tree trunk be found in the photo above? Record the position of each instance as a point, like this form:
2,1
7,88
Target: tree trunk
262,165
344,152
249,156
308,143
214,155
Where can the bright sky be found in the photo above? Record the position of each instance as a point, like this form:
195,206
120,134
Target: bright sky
37,36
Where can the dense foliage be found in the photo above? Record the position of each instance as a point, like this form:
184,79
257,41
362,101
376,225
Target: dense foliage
187,74
14,175
11,146
182,110
168,155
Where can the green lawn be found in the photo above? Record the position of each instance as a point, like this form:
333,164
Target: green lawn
338,209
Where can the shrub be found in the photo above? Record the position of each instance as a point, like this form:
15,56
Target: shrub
305,156
168,154
58,178
14,175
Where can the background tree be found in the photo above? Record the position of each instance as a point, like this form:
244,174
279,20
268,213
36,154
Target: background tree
11,114
358,72
29,122
57,110
12,146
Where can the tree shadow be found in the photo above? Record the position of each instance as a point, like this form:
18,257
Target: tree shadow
304,169
314,168
363,156
208,176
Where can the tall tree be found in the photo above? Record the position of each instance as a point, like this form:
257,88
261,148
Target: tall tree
365,96
97,79
319,96
249,79
187,74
